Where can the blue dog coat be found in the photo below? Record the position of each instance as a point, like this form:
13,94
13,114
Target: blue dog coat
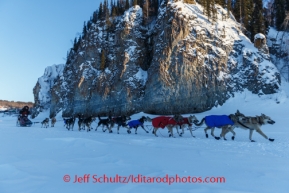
134,123
218,121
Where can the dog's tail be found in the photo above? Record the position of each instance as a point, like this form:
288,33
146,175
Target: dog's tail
99,117
201,123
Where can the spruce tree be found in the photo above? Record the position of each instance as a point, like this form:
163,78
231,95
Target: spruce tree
105,9
75,45
208,8
279,9
102,60
84,30
201,2
214,11
257,22
106,13
220,2
287,5
94,17
237,10
126,4
229,8
78,42
100,11
247,12
114,12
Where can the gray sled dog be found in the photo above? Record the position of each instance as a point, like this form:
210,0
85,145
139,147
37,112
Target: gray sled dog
45,123
253,124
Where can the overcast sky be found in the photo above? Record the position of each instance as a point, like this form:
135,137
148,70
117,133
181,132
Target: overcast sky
35,34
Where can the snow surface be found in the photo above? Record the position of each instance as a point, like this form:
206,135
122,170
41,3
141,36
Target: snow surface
35,159
3,108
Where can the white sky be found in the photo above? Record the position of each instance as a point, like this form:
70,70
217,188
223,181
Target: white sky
33,35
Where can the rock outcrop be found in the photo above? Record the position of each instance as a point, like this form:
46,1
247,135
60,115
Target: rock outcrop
42,90
180,62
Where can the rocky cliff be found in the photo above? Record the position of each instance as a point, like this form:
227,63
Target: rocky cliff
178,62
44,86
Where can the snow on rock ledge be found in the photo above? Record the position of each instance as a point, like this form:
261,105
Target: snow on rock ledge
42,89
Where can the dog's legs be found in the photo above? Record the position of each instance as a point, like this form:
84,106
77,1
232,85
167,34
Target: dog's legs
128,130
231,128
250,135
225,130
261,133
104,130
110,128
155,131
190,128
98,126
170,128
177,130
183,129
206,129
223,133
107,128
212,133
144,129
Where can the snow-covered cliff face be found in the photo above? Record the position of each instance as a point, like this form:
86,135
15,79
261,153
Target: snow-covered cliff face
42,89
198,64
179,63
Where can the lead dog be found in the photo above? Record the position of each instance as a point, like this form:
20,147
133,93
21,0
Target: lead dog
254,124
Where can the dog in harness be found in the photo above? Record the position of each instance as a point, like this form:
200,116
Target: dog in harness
136,123
212,121
119,121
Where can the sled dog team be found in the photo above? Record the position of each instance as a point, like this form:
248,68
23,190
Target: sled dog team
227,123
